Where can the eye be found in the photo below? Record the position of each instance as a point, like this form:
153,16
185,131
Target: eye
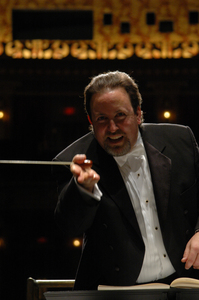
101,119
120,115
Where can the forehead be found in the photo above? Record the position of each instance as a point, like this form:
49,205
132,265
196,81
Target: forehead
110,97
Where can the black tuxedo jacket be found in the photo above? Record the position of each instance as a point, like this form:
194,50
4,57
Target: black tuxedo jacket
113,248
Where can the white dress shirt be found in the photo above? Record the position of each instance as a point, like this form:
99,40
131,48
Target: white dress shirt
136,174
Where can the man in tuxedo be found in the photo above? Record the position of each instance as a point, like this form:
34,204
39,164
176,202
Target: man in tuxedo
137,206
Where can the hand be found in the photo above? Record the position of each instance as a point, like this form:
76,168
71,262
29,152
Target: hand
191,253
86,176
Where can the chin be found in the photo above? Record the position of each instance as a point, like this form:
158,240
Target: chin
116,151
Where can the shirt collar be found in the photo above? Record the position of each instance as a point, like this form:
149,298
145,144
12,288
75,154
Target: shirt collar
138,150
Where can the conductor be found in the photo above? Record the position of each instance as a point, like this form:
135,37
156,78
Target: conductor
137,206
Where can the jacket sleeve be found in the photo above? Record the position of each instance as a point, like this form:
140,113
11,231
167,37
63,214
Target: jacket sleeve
75,210
196,156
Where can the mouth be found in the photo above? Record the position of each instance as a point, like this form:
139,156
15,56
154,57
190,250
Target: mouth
115,139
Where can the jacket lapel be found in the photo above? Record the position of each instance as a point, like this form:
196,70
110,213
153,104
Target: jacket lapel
160,168
111,183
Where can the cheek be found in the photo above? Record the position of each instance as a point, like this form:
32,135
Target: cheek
127,126
99,132
131,130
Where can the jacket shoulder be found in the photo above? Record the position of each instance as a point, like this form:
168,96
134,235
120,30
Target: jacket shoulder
162,127
160,134
163,130
79,146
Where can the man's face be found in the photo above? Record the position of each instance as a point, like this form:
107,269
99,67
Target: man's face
115,123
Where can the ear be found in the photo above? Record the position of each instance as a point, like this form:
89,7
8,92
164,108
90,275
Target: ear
139,115
89,119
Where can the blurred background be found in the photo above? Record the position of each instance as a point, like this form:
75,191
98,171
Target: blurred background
49,50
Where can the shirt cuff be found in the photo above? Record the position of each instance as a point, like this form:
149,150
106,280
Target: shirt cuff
97,194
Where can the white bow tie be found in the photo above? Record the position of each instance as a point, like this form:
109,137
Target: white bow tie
137,151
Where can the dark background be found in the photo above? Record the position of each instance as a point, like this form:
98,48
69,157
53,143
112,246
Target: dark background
37,96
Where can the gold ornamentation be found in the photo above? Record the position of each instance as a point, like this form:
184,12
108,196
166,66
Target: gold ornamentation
144,41
43,49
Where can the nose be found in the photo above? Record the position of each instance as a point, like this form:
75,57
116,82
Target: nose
112,126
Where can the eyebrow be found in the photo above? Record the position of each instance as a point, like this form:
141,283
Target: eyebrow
119,110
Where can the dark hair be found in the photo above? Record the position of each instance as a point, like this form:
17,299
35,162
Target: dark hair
112,80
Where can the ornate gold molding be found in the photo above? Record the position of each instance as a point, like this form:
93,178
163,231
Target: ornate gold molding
43,49
144,40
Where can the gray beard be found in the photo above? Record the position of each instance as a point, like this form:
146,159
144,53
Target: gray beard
116,152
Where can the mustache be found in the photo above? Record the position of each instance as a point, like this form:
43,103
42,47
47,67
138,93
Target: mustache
119,132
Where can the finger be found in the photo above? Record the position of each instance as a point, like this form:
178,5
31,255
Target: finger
94,177
184,259
190,259
196,263
186,253
190,256
90,182
88,177
82,161
79,158
81,174
78,164
75,169
83,178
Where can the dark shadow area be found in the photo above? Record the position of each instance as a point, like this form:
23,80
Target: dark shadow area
43,101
